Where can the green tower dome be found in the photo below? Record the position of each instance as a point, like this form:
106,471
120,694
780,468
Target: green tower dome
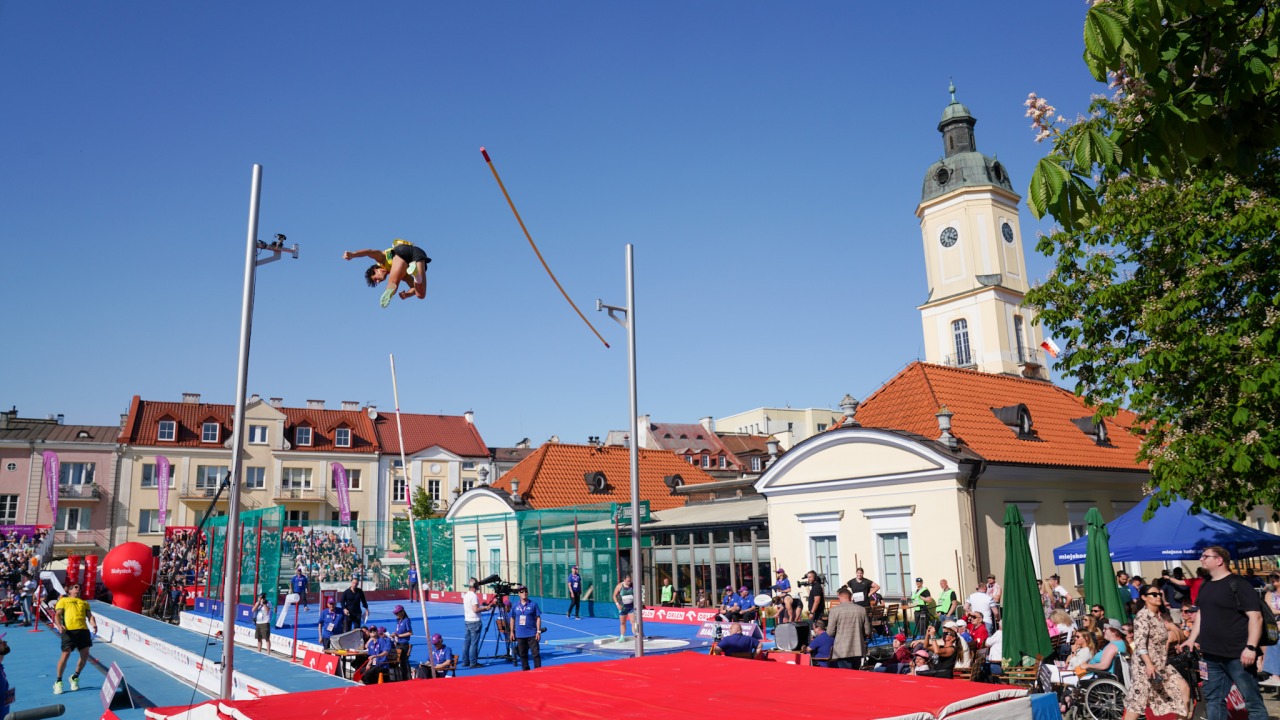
961,165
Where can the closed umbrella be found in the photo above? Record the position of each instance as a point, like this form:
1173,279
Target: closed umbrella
1099,576
1024,630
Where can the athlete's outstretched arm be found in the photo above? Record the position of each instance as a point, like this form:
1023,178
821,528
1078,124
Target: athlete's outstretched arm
371,254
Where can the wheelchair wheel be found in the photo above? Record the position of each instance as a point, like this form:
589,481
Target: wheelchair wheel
1104,700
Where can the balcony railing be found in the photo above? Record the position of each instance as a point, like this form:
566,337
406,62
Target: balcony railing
79,492
80,538
194,490
965,361
299,493
1029,357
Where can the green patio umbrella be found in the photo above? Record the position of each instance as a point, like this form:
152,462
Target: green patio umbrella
1099,575
1025,633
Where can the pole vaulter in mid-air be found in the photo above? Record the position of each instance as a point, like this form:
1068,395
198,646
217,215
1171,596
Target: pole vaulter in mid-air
403,261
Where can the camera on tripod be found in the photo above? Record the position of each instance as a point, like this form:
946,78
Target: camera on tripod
500,588
805,583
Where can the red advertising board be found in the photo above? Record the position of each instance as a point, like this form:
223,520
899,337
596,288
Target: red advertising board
324,662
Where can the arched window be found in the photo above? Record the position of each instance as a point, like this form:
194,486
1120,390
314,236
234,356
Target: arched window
1020,336
960,331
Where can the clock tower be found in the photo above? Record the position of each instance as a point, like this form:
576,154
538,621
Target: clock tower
973,316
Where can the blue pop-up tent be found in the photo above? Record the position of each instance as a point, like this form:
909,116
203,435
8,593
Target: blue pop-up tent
1174,533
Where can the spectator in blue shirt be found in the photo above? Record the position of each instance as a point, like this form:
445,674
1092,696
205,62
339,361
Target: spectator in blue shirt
735,643
820,645
403,636
299,583
575,593
330,622
441,657
526,629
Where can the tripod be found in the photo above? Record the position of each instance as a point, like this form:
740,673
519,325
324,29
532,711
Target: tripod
501,642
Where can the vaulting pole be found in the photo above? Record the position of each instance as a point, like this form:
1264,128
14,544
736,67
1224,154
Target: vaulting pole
413,534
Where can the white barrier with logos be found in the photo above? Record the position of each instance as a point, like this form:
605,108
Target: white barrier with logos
205,673
281,644
690,616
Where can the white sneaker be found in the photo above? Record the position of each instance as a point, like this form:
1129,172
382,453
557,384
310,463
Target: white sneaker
1271,681
57,688
622,638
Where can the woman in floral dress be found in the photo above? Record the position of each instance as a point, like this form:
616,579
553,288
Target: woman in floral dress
1153,683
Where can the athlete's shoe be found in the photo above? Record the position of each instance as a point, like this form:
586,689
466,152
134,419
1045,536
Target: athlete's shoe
75,683
386,296
622,638
57,688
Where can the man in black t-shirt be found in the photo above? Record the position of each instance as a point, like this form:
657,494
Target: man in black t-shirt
817,596
1227,628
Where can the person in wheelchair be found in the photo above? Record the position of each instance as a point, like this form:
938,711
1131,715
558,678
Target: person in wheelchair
1107,659
1063,672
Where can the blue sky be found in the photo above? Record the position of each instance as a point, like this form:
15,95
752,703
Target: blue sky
765,159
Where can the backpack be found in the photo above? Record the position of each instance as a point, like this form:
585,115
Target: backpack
1270,630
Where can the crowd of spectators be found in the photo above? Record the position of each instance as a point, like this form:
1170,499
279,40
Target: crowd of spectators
19,566
325,555
182,560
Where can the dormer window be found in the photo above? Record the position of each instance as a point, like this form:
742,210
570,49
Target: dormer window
596,482
342,437
706,461
302,436
1018,419
168,431
1096,430
209,432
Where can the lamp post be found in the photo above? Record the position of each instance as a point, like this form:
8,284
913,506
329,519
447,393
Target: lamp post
626,317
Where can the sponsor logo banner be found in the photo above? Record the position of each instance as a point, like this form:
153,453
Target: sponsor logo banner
686,616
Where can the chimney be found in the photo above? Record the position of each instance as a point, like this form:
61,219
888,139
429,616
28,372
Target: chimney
709,423
60,418
554,439
190,397
315,404
276,403
255,398
470,417
124,418
351,405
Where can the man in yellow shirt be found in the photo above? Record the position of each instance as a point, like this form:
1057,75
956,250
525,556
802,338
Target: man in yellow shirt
73,618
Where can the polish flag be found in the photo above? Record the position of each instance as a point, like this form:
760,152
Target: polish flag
1051,347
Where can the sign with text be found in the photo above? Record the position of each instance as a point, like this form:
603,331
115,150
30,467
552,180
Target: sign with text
110,686
622,512
708,630
687,616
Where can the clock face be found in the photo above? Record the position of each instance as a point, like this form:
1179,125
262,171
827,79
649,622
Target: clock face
948,237
435,468
1007,231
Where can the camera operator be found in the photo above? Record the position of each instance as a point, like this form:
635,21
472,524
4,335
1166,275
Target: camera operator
817,604
526,629
471,619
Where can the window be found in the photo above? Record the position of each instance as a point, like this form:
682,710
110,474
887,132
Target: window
296,478
495,561
755,464
335,516
11,467
353,480
151,478
724,462
826,559
399,488
960,332
149,520
895,558
72,518
209,432
8,509
706,461
257,434
76,474
302,436
467,484
433,487
255,478
342,437
689,459
168,431
472,562
297,517
209,476
822,427
469,465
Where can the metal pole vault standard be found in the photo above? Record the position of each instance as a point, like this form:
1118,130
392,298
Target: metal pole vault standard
626,317
231,551
413,534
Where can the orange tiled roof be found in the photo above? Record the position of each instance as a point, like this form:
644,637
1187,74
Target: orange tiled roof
142,425
744,444
552,476
910,402
691,439
450,432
